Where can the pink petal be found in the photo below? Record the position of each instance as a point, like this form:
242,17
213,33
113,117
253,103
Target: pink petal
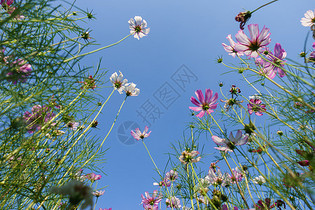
194,101
200,97
201,114
253,31
218,140
196,109
208,94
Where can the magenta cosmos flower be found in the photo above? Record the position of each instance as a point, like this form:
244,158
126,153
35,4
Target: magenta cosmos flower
255,44
138,135
151,201
206,105
6,2
269,67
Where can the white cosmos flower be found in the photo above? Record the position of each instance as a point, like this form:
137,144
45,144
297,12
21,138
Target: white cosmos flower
138,27
256,96
309,19
131,90
259,180
118,81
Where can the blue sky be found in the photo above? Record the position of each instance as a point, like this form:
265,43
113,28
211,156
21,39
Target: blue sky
183,32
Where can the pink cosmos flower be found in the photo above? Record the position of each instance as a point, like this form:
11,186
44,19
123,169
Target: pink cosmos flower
148,201
237,175
255,105
173,202
98,193
189,157
165,183
277,58
171,175
229,144
206,105
231,49
138,27
253,45
93,177
217,178
38,117
138,135
19,71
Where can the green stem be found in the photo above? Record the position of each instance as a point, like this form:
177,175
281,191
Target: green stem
263,6
102,48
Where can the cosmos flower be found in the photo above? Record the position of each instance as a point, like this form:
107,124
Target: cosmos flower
269,67
309,19
189,157
231,49
138,135
171,175
98,193
237,175
255,105
19,71
152,201
255,44
118,81
229,144
165,183
93,177
38,117
173,202
6,2
206,105
138,27
217,178
131,90
259,180
77,192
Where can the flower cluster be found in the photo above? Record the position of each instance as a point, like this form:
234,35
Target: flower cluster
173,202
121,85
273,62
19,71
216,178
39,116
170,176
